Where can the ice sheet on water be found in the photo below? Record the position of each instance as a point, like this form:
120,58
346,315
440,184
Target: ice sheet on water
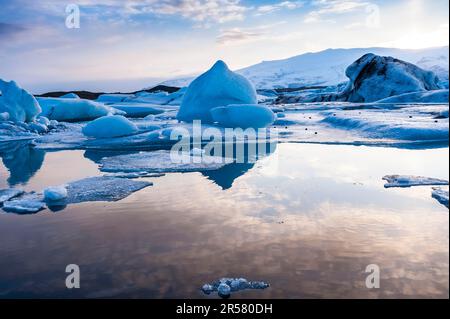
99,188
401,124
28,203
409,180
225,286
441,195
102,188
159,162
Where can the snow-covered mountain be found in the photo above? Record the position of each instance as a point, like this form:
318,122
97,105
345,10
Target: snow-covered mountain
328,67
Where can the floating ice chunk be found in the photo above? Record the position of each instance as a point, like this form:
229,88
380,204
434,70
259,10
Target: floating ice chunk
7,194
243,116
436,96
110,126
226,286
18,103
217,87
55,193
408,181
26,204
69,96
440,195
102,188
138,109
74,110
4,116
224,290
159,162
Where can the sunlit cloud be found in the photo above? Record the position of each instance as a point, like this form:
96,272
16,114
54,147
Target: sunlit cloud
327,8
291,5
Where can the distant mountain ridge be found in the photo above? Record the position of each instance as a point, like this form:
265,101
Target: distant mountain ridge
328,67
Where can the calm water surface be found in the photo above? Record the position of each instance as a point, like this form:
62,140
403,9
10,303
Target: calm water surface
308,219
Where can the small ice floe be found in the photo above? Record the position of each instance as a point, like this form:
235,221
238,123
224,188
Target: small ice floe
7,194
226,286
408,181
55,193
28,203
440,195
102,188
99,188
159,162
110,126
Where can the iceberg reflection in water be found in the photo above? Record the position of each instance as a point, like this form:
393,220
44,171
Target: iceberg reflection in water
307,219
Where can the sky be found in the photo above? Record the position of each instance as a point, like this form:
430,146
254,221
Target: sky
125,45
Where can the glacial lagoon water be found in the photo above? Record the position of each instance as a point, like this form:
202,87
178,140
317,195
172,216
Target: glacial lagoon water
307,219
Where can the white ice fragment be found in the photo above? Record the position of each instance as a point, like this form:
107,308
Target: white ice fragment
224,290
440,195
55,193
408,181
226,286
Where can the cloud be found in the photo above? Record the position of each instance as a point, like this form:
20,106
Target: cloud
334,7
244,35
8,30
291,5
199,11
205,11
238,35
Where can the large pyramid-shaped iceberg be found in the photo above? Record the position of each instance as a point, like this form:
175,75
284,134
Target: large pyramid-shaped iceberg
217,87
